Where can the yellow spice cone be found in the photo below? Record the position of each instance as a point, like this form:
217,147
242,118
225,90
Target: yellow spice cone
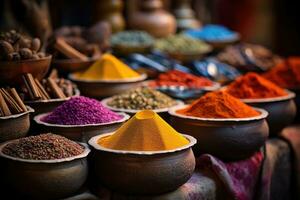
108,68
146,131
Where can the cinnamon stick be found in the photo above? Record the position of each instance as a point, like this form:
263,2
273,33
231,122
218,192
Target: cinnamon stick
43,92
55,88
3,107
13,93
11,103
63,47
31,87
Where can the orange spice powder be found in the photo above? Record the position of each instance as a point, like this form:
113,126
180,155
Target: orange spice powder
254,86
219,104
286,74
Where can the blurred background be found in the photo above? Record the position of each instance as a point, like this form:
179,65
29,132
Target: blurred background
273,23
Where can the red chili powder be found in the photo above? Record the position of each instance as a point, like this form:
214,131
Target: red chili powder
219,104
254,86
178,78
286,74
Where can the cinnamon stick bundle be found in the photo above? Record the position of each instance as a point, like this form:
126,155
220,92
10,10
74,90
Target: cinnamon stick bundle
4,110
11,103
13,93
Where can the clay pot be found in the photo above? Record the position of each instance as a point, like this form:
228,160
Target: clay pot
282,111
44,179
110,11
153,19
227,139
15,126
11,72
104,88
133,172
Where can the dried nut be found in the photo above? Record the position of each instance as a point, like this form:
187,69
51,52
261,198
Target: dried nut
25,53
24,43
41,54
35,56
35,44
5,48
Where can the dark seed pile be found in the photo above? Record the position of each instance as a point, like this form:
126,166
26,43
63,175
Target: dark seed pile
43,147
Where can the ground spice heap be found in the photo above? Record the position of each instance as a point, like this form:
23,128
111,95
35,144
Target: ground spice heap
218,104
254,86
81,111
178,78
286,74
142,98
146,131
108,68
43,147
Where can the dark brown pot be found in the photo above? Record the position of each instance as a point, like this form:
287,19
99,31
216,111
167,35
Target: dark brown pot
227,139
50,179
143,173
282,111
15,126
101,89
11,72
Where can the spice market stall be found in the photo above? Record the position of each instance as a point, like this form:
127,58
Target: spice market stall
104,113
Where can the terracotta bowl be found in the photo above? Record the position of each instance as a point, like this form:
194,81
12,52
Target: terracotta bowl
105,88
142,172
44,106
163,112
11,72
15,126
80,133
44,179
127,50
72,65
227,139
282,111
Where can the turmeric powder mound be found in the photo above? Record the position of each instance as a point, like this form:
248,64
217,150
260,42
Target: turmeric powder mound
219,104
254,86
108,68
145,131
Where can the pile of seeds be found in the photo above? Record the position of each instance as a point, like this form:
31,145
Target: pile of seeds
142,99
43,147
181,44
132,38
81,111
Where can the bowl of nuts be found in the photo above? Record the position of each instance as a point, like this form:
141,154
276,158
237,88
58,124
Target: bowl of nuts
20,54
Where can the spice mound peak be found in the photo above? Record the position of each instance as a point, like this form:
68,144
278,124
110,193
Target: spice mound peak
219,104
254,86
108,68
146,131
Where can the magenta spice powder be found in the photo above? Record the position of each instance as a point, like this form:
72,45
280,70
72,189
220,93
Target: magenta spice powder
81,111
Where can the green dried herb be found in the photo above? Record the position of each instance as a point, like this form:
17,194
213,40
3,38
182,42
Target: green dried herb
181,44
142,99
132,38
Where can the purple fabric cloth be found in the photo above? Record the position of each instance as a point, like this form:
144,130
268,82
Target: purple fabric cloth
239,178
